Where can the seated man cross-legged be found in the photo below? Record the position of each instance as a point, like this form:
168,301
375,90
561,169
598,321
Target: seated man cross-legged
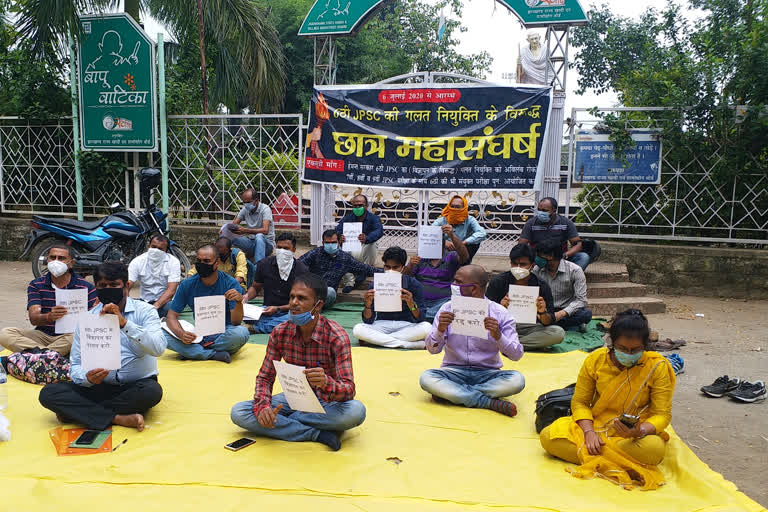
158,273
471,373
621,406
543,333
208,281
401,329
322,347
99,398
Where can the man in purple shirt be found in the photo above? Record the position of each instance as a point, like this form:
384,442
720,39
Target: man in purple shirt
471,373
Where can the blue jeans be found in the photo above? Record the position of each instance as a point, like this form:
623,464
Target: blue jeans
582,259
300,426
265,324
580,316
255,249
433,306
230,341
162,311
331,299
471,387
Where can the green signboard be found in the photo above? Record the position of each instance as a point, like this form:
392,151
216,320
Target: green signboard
540,13
116,71
339,17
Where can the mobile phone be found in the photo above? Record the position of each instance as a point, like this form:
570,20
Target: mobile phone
240,444
629,420
87,437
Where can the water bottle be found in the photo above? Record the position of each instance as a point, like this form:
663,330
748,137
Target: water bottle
3,388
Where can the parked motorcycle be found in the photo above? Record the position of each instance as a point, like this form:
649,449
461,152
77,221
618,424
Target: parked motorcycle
118,237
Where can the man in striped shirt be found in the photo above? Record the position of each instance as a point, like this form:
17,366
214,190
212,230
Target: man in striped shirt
568,284
43,311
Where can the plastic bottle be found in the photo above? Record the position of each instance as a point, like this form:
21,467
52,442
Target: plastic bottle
3,388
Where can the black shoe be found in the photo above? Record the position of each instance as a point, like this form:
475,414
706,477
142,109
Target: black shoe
721,386
749,392
330,439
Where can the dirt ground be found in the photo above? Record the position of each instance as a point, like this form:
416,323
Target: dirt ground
731,338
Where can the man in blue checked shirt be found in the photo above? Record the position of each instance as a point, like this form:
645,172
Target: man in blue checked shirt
331,264
100,398
372,232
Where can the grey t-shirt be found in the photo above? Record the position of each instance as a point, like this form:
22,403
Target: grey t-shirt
256,218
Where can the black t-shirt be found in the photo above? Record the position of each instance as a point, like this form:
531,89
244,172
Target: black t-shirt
561,230
499,287
276,291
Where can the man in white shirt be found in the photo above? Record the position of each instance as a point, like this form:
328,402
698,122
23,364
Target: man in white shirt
158,272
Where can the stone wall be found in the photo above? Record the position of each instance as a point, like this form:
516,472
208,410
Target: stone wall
700,271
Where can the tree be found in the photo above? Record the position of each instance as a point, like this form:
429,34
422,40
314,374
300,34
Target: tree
400,37
248,60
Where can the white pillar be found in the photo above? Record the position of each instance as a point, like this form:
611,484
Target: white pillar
551,183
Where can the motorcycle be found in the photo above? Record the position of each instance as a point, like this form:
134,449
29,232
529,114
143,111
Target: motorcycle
120,236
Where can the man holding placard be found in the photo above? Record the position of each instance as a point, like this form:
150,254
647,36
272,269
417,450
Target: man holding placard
367,229
114,359
331,264
318,356
217,304
47,300
473,330
528,299
394,311
436,274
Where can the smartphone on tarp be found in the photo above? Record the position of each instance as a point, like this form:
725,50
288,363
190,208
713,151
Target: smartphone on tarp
87,437
240,444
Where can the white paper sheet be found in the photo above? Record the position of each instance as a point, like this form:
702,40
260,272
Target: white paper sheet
352,230
184,325
76,302
430,242
296,388
99,342
252,312
388,287
522,303
210,315
470,316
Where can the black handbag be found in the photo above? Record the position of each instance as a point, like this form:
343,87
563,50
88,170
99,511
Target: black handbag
553,405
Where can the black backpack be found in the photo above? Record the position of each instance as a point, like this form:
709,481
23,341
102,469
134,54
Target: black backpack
553,405
592,248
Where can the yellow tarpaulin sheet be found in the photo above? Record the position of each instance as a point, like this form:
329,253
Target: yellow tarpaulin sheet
452,458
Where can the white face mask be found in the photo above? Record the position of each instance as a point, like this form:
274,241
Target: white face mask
520,273
284,259
393,271
455,290
57,268
155,255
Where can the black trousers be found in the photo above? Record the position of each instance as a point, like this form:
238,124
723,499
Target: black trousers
472,250
96,406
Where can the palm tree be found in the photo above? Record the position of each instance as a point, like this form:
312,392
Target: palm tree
249,61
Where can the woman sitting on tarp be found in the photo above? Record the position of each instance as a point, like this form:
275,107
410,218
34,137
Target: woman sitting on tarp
621,405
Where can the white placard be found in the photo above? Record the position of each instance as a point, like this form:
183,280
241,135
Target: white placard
352,230
252,312
99,342
469,316
184,325
431,242
296,388
388,296
76,302
522,303
210,315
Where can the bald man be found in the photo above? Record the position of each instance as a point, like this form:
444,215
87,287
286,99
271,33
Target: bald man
471,373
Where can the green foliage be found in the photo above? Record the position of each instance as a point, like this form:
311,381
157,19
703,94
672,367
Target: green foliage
32,88
98,170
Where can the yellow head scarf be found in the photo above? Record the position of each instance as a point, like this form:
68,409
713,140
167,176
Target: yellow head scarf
456,215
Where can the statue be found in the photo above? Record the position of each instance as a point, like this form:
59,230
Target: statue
532,62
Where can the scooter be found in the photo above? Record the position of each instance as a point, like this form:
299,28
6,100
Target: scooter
120,236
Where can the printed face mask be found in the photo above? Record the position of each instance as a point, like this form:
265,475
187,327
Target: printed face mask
57,268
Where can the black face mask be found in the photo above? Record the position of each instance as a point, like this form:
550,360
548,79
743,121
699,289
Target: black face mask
110,295
204,269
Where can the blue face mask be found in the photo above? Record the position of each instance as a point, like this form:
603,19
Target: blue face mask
628,360
331,248
302,318
249,207
540,262
542,216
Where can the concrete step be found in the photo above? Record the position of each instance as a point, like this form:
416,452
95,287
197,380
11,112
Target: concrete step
602,272
613,290
611,306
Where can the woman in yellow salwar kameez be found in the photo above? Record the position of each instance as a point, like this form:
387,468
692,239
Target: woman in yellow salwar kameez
620,407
